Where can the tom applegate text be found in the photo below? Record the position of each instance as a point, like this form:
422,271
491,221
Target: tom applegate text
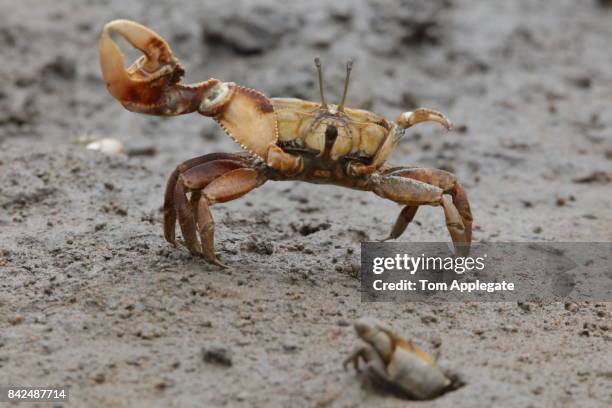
426,285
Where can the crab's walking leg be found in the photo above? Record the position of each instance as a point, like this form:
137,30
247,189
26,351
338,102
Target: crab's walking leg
403,219
413,193
229,186
185,214
170,211
362,353
447,182
212,182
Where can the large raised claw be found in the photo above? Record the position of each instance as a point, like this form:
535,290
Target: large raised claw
151,84
133,84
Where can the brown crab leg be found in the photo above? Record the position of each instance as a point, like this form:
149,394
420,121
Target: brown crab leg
455,227
206,229
170,208
414,193
404,218
463,205
229,186
170,211
194,179
447,182
211,182
185,218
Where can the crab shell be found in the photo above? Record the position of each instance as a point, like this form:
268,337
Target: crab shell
400,365
307,124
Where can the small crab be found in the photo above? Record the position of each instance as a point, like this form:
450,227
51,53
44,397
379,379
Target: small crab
283,139
397,364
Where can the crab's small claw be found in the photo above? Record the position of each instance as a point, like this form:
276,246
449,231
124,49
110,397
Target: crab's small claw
408,119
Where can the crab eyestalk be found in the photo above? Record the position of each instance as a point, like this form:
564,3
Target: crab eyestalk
408,119
133,85
349,67
320,75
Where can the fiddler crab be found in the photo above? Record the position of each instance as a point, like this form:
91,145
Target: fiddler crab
397,364
283,139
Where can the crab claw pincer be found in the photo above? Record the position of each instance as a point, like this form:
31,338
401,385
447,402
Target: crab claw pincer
144,82
409,119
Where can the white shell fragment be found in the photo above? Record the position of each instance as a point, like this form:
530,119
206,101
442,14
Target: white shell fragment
108,146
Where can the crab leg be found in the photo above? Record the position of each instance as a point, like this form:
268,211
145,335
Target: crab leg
227,187
447,182
184,211
413,193
212,182
403,219
170,211
362,353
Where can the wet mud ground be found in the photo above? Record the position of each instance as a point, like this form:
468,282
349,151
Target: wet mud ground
91,296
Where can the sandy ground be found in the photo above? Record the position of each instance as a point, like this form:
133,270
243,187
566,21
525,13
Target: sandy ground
92,297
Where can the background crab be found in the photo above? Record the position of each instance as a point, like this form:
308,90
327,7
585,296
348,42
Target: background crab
397,364
284,139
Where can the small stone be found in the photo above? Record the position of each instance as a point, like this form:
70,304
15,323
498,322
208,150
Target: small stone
524,306
290,346
99,378
571,307
164,384
107,146
148,332
343,323
429,319
217,354
537,230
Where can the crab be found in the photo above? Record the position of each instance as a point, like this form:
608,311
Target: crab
397,364
282,138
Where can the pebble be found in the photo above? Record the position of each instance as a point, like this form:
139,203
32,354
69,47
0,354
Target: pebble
524,306
217,354
290,347
148,331
99,378
107,146
571,307
343,323
429,319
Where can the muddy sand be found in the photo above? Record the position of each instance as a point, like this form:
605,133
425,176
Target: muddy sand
92,297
